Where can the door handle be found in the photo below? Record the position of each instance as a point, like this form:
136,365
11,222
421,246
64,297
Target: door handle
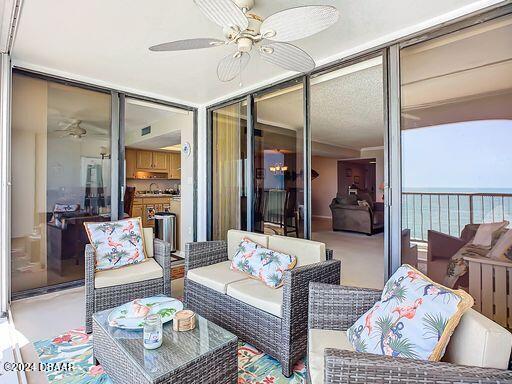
387,196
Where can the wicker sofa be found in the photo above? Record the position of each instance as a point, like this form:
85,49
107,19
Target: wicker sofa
478,351
108,289
273,320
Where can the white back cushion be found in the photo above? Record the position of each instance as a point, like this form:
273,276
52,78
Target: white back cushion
235,237
306,251
148,241
479,341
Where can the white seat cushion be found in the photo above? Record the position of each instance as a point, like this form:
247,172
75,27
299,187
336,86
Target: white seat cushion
318,341
148,241
216,276
306,251
257,294
147,270
479,341
235,237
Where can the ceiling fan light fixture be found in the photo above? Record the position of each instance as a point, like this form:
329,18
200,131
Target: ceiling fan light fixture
246,30
244,44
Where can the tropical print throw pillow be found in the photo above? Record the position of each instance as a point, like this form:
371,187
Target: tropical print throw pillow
262,263
415,318
116,243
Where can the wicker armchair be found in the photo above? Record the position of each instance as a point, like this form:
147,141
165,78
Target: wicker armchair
336,308
100,298
283,337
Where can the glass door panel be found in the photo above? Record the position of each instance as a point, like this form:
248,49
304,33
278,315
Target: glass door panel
348,149
229,158
279,162
456,134
61,175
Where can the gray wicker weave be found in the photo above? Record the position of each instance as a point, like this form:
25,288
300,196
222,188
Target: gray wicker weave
334,307
283,338
98,299
207,354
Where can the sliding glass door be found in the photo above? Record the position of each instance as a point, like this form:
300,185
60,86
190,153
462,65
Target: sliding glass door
279,162
348,168
61,174
229,161
456,158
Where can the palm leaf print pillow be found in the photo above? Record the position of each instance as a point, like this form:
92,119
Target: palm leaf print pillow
262,263
414,318
116,243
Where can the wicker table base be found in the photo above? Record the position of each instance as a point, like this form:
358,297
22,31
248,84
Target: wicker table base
207,354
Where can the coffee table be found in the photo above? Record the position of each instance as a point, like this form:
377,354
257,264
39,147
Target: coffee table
207,354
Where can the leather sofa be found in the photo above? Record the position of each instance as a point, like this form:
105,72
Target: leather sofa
348,215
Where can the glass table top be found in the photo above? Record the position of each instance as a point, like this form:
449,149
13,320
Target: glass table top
177,350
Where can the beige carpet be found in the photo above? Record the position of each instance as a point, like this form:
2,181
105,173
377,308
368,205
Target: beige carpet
362,256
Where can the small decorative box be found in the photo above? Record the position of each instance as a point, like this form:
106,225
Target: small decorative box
184,320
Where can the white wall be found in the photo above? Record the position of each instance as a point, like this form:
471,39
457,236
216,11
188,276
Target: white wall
187,186
28,154
325,186
174,123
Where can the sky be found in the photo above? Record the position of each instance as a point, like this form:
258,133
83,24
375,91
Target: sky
460,157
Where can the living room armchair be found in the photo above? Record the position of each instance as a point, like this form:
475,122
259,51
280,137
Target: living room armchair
441,247
272,320
110,288
478,351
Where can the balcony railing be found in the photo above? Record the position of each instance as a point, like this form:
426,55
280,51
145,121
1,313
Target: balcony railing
450,212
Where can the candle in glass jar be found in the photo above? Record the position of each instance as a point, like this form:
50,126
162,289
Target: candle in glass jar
153,332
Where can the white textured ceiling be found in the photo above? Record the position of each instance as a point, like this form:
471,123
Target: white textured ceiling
346,107
106,41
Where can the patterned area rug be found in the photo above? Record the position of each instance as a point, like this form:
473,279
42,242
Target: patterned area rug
75,347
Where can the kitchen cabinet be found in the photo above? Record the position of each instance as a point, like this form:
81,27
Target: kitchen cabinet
138,210
160,161
175,166
139,160
131,163
144,160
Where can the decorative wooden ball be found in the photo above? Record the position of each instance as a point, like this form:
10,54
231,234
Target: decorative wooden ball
184,320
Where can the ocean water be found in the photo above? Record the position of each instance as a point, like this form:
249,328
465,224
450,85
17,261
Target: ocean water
449,211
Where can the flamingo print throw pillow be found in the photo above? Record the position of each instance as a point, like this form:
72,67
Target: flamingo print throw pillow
262,263
414,318
116,243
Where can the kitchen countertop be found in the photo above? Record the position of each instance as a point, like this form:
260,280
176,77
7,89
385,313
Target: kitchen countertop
157,195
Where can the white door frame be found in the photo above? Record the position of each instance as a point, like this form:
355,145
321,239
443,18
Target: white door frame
5,181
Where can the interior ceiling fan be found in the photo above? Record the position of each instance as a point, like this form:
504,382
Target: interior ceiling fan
74,129
270,36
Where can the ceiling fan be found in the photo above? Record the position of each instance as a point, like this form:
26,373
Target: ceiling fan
270,36
74,129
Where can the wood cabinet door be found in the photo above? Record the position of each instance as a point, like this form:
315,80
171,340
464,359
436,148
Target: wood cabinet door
144,159
175,166
178,165
131,163
160,161
138,211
